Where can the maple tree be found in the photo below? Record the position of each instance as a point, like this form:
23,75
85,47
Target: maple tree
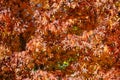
59,39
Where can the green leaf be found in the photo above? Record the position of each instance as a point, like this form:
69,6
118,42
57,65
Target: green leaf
75,28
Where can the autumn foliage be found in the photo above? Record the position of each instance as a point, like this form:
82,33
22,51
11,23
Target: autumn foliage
59,40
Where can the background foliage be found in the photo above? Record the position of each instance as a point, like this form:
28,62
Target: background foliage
59,39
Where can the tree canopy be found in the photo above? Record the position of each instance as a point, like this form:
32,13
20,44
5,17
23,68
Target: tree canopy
59,40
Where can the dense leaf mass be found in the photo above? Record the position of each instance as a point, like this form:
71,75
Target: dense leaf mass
59,39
